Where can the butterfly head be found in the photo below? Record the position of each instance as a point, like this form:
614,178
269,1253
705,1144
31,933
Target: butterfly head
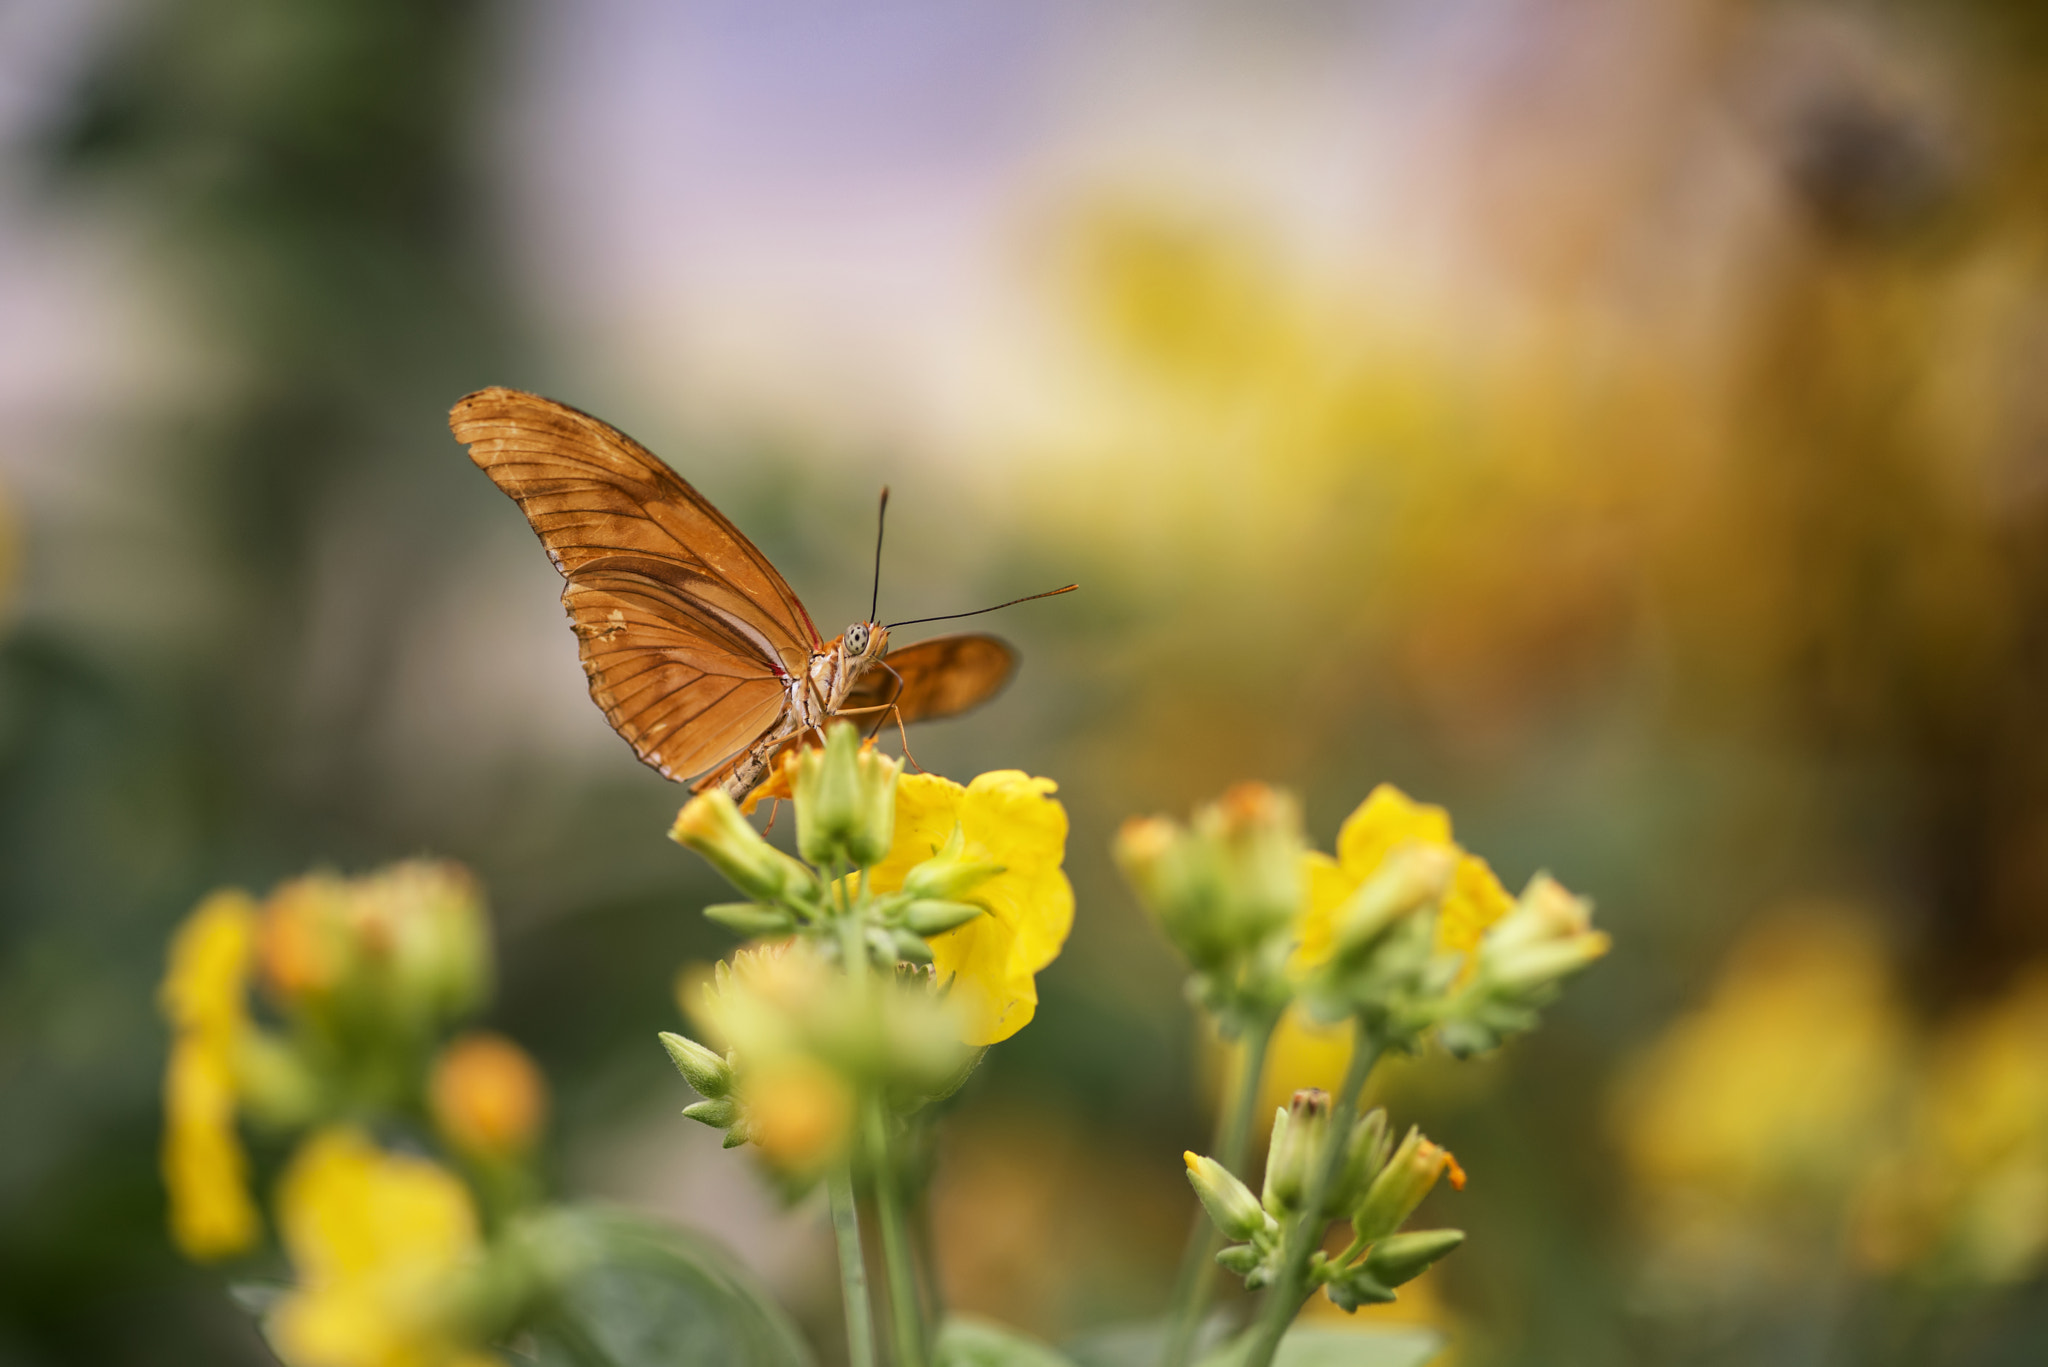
864,642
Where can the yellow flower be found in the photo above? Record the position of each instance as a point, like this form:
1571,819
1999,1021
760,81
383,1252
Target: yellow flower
204,1165
1778,1086
1010,819
1385,821
378,1242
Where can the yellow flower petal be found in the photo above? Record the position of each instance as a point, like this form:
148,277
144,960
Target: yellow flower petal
375,1239
1008,818
1385,819
1476,900
1327,886
205,1169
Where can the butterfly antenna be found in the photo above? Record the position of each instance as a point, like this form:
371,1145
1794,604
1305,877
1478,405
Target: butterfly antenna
1049,593
881,521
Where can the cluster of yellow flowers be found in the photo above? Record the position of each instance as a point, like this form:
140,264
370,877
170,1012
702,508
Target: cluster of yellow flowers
1402,935
957,894
364,976
1801,1103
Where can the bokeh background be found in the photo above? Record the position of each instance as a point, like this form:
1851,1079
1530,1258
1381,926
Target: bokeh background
1624,422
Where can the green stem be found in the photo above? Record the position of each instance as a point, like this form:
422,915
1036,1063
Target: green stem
1198,1263
853,1272
1305,1234
906,1316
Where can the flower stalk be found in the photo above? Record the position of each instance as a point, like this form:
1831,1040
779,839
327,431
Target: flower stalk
1305,1230
853,1273
1197,1275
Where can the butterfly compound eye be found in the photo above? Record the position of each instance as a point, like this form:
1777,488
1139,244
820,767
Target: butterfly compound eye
857,639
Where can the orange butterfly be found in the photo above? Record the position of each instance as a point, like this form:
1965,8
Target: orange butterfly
701,656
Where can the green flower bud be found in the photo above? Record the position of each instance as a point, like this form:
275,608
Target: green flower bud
712,826
719,1114
845,801
1357,1287
1540,965
752,919
949,875
1410,878
1549,935
1242,1259
1225,886
1364,1155
1408,1176
704,1070
1402,1258
1230,1203
910,946
930,918
1295,1153
273,1083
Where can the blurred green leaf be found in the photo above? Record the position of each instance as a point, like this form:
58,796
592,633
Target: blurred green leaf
978,1343
656,1296
1139,1344
1317,1347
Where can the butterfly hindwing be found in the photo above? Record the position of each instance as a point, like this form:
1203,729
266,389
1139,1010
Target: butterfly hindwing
941,677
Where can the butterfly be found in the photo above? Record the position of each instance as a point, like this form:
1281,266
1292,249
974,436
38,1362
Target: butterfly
699,653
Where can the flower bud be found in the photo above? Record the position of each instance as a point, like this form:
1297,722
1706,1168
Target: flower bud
1547,936
1226,885
1402,1258
1295,1153
752,919
1230,1203
930,918
1408,1177
845,801
1364,1155
487,1097
910,946
1257,831
714,828
1142,846
800,1114
949,875
703,1069
1243,1259
1412,876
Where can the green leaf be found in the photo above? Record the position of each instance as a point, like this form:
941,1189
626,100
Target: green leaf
645,1294
967,1342
1320,1347
1140,1344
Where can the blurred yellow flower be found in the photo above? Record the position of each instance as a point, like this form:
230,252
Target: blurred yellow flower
1010,819
1967,1196
1386,820
378,1243
488,1097
1777,1087
203,997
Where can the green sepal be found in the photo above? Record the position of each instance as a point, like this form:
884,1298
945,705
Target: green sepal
752,919
718,1113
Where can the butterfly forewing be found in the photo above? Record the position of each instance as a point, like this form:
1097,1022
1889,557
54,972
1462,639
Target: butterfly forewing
941,677
591,493
685,629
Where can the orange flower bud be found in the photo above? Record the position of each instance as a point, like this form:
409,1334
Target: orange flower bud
488,1097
